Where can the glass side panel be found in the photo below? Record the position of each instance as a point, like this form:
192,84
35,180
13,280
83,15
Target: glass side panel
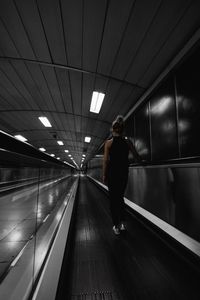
33,197
187,85
18,198
163,122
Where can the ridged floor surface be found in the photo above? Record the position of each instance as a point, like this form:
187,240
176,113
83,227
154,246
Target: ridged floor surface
134,265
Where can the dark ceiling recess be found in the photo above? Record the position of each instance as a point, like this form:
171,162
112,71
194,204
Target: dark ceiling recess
54,135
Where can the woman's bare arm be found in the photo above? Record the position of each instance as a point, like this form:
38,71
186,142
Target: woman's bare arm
132,149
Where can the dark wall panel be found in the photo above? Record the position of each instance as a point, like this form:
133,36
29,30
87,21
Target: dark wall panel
129,127
129,133
164,122
151,189
188,100
186,199
142,132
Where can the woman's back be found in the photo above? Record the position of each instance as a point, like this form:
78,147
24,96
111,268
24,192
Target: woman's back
118,154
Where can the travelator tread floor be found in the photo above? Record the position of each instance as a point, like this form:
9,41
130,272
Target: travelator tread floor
134,265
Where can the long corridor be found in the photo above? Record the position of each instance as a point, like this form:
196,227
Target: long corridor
135,265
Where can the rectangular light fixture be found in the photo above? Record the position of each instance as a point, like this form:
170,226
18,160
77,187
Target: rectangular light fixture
87,139
42,149
45,121
96,102
20,137
60,143
66,151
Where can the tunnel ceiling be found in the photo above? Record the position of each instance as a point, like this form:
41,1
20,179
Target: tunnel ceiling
54,54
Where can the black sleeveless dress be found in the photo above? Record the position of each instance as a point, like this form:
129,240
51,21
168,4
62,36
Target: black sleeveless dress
117,178
118,157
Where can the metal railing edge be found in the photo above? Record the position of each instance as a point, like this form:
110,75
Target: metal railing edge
48,282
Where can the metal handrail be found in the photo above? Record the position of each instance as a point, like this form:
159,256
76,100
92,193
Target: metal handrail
172,163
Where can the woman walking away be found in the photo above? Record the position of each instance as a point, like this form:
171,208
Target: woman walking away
115,171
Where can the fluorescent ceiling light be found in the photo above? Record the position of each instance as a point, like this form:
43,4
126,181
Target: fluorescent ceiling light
87,139
66,151
69,155
58,157
52,155
96,102
42,149
20,137
60,143
83,155
45,121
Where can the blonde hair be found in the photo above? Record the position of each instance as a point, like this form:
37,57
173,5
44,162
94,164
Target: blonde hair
118,124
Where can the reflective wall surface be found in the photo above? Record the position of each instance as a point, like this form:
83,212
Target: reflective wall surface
187,86
172,194
166,126
142,132
33,196
163,123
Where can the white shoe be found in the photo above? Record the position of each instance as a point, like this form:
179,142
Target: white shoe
122,227
116,230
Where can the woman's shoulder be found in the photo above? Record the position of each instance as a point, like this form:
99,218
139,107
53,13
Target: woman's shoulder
128,142
109,142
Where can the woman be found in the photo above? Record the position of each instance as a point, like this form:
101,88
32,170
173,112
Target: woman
115,171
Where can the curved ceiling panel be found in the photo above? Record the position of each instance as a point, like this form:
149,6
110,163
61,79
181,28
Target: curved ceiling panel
55,53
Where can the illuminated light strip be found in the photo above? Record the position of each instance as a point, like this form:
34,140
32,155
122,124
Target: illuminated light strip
45,121
87,139
20,137
96,102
